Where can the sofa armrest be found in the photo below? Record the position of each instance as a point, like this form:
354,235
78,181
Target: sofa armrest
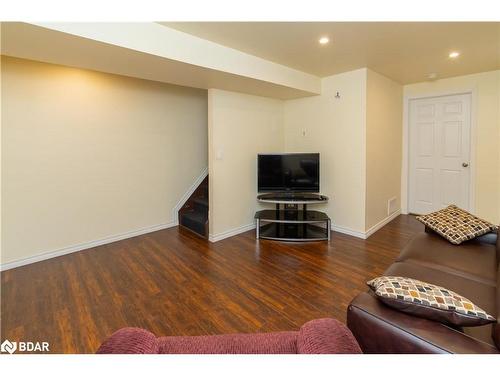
130,341
326,336
384,330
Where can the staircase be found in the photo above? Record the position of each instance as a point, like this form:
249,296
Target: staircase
194,214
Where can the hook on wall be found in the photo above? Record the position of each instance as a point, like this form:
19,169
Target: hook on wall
337,95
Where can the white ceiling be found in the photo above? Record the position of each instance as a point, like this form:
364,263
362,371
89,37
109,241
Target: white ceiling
405,51
154,52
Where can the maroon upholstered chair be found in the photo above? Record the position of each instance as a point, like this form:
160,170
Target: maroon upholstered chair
321,336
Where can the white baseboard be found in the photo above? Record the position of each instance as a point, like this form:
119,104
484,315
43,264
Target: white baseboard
380,224
335,228
118,237
231,232
369,232
154,228
84,246
348,231
187,194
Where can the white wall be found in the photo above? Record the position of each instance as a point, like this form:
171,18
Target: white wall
336,129
384,116
486,140
87,156
359,137
240,127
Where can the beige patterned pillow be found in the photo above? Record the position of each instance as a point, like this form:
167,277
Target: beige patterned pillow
428,301
455,224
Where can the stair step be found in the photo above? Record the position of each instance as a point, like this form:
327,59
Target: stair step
194,213
201,205
201,201
194,220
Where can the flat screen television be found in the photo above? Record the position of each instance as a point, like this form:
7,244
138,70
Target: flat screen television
288,173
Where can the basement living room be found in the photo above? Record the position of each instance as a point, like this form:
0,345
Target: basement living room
250,187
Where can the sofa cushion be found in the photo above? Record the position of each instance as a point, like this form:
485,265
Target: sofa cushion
429,301
257,343
455,224
471,260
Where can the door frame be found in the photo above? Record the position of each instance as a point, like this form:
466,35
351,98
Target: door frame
405,175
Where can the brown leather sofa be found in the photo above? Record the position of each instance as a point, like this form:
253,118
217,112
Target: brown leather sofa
471,269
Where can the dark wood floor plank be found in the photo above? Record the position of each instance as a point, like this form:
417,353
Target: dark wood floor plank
173,282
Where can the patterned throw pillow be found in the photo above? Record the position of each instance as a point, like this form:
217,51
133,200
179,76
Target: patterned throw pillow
428,301
455,224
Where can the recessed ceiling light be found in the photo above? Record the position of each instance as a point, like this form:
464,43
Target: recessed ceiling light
324,40
454,55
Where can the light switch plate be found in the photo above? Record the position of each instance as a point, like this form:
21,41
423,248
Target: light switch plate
220,154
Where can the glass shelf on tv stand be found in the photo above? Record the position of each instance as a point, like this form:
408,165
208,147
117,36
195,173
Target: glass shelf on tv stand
291,223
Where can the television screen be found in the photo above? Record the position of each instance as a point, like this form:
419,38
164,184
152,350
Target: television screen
288,172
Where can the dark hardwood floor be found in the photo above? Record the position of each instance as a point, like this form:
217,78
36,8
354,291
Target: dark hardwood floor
173,282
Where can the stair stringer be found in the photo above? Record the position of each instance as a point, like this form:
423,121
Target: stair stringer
187,194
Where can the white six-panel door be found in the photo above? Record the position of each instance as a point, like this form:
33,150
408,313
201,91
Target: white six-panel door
439,153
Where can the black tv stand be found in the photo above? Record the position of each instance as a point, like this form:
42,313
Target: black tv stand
289,223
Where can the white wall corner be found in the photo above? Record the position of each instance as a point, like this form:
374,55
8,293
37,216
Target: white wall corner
348,231
382,223
231,232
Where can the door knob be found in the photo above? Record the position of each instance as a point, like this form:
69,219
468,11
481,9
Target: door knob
465,165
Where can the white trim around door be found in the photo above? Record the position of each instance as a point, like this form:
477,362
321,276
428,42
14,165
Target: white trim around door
406,159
